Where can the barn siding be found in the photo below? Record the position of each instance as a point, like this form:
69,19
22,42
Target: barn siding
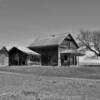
49,54
68,44
18,57
4,57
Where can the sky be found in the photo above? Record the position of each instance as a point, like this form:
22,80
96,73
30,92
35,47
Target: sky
23,20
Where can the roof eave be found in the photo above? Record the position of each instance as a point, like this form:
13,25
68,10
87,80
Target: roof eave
43,46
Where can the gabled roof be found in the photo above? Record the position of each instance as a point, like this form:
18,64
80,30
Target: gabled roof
49,40
25,50
4,50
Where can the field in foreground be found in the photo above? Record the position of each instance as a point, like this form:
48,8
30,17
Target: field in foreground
16,86
70,72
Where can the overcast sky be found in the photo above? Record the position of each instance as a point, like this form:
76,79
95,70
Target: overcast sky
22,20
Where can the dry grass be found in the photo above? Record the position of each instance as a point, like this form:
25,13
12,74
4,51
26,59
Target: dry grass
29,87
72,72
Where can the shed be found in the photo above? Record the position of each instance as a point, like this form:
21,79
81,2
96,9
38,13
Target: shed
4,57
19,55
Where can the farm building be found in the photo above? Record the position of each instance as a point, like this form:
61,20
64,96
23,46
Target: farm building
23,56
57,49
4,57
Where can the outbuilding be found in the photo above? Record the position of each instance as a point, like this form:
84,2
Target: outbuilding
19,55
4,57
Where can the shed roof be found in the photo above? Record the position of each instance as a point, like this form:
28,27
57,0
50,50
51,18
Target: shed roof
3,50
25,50
49,40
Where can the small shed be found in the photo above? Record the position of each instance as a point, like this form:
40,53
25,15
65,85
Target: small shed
4,57
23,56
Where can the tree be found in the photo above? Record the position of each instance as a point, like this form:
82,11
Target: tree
91,40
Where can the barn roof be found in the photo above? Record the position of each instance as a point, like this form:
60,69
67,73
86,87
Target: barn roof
25,50
49,40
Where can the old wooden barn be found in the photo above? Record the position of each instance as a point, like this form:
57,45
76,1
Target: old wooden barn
19,55
57,49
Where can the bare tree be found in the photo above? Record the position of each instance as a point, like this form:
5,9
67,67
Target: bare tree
91,40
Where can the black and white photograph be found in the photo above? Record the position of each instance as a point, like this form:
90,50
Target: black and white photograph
49,49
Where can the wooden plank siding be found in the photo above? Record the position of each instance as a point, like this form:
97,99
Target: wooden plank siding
49,54
67,59
4,57
18,57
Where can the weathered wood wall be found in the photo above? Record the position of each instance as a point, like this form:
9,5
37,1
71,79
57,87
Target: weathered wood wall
17,57
67,44
49,54
4,57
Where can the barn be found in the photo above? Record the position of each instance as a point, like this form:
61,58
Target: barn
56,49
4,57
19,55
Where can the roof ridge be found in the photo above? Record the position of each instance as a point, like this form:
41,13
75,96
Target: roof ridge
25,50
46,35
52,39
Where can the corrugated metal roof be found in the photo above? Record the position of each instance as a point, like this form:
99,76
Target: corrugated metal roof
25,50
49,40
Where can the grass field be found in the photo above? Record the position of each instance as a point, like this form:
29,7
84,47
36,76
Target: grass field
49,85
72,72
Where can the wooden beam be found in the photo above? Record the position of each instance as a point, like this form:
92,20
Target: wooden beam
59,58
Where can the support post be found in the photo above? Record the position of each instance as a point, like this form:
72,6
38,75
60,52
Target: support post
40,60
59,58
77,60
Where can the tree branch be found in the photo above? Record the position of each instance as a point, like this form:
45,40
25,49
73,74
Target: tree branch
87,44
